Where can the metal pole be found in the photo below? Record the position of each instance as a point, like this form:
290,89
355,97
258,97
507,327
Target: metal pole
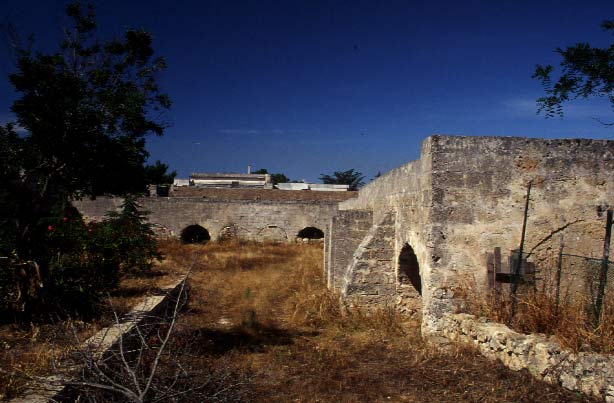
520,250
603,275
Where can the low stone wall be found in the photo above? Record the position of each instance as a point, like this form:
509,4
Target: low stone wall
52,388
542,356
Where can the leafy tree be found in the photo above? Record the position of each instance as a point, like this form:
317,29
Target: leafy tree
586,71
279,178
157,174
350,177
275,178
86,110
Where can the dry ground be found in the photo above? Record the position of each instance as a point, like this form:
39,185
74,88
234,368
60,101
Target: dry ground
28,350
261,313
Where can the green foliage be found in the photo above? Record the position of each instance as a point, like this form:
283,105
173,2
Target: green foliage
157,174
585,71
132,238
275,178
88,261
350,177
86,110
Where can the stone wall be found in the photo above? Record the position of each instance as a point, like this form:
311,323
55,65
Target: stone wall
347,229
479,190
247,219
543,357
465,196
369,279
260,194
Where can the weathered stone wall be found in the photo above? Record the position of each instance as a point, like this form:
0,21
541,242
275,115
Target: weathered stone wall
369,279
465,196
479,191
247,219
589,373
260,194
346,230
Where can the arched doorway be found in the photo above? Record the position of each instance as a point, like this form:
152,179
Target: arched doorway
409,269
194,234
310,233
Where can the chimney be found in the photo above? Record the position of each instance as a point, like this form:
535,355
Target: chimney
249,169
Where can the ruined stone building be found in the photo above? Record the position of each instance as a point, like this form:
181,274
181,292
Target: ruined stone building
418,234
421,232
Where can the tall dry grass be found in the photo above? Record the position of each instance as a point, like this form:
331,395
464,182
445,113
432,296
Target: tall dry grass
263,310
571,321
34,349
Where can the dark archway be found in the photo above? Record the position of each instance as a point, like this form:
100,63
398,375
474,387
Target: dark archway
194,234
310,233
409,269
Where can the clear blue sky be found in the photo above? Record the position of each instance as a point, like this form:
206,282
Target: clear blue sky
309,87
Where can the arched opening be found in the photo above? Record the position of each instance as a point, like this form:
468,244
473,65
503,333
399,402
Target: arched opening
272,233
409,270
194,234
232,232
310,233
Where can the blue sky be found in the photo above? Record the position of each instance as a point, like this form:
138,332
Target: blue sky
310,87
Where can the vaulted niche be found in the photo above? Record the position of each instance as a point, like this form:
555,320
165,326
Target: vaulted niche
409,269
310,233
194,234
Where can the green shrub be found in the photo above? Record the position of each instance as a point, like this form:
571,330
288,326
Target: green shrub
80,263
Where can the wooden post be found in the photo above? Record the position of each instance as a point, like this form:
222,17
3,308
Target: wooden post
490,272
497,262
516,275
559,269
603,275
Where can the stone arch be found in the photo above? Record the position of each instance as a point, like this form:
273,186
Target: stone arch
194,234
409,269
310,233
272,233
232,231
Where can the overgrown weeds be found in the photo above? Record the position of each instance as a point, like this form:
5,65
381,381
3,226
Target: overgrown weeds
32,350
264,308
571,320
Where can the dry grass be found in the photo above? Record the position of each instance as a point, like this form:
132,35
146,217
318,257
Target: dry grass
32,350
262,310
571,321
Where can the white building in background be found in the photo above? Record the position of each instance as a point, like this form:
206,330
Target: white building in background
312,186
231,180
181,182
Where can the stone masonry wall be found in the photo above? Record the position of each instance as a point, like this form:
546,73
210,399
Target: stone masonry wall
465,196
406,194
479,185
259,220
543,357
347,229
369,279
